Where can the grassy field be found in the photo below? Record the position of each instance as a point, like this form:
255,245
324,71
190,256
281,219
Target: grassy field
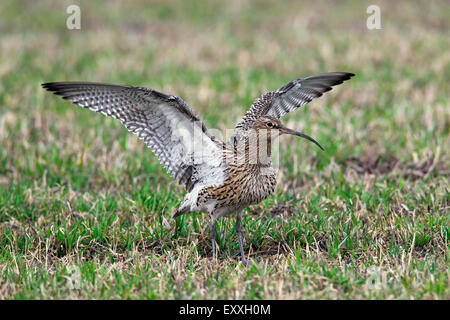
85,208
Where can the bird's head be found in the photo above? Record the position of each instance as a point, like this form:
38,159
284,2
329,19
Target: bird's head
275,127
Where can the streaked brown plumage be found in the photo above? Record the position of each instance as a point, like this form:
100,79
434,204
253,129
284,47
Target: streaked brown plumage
221,178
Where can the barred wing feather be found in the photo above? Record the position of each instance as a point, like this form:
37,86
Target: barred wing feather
165,123
291,96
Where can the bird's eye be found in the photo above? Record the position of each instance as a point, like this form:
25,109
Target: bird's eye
270,124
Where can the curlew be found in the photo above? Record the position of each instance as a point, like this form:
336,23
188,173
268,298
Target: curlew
221,178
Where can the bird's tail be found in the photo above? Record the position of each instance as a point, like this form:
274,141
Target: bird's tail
182,209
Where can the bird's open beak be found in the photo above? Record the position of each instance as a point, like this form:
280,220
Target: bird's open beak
296,133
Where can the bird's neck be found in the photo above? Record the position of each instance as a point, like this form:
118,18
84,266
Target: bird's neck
254,149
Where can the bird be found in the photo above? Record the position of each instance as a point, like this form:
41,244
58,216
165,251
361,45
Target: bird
221,178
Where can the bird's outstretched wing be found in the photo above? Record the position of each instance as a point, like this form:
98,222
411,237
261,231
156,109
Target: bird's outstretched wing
291,96
165,123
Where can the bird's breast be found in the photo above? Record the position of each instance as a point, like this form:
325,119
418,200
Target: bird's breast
242,187
259,186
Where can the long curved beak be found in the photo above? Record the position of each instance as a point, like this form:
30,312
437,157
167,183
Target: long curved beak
296,133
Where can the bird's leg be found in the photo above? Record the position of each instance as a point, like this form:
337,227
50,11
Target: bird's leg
212,229
238,232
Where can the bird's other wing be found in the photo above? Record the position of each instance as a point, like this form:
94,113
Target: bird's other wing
291,96
166,124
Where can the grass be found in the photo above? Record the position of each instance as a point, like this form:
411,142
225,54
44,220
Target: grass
85,208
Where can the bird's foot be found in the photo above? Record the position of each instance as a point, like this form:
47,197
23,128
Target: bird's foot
244,261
